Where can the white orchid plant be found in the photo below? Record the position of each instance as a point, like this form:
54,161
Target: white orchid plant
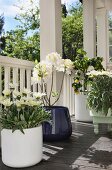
44,72
21,110
100,95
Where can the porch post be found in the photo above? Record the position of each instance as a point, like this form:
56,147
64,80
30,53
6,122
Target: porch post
51,34
102,30
89,27
50,27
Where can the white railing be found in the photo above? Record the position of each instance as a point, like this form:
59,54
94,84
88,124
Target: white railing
19,72
15,71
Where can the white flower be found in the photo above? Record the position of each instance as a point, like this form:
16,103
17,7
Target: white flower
68,64
6,92
53,58
7,103
25,91
38,95
65,65
60,66
18,104
33,103
22,103
16,93
42,70
96,73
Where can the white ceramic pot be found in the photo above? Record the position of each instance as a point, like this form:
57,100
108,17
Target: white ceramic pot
81,111
22,150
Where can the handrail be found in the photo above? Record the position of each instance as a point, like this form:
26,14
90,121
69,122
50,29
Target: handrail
14,62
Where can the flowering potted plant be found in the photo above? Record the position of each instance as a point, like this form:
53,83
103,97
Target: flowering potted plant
99,97
21,136
44,74
82,65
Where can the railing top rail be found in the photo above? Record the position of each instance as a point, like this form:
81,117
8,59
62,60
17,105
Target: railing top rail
14,62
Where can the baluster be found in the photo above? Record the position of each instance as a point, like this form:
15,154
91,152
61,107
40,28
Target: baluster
73,98
70,95
28,75
34,87
7,77
67,91
15,77
22,78
64,92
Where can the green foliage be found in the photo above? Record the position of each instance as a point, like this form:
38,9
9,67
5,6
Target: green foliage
29,17
21,46
100,96
82,64
1,30
24,41
1,23
28,117
72,32
64,11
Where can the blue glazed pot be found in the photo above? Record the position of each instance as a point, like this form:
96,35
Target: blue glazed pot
60,127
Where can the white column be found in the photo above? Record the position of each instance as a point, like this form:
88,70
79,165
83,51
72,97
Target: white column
102,33
89,27
51,33
50,27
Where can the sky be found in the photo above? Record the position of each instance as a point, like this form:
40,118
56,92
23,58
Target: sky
10,9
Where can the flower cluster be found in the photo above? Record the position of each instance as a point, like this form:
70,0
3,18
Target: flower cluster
21,110
21,99
96,73
45,70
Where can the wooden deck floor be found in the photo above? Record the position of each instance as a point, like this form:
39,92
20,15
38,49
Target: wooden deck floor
83,151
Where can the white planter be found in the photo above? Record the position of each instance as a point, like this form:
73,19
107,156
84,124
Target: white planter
81,110
22,150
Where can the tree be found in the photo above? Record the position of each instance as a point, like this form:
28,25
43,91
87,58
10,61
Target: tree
1,23
72,32
20,46
64,11
24,41
1,30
